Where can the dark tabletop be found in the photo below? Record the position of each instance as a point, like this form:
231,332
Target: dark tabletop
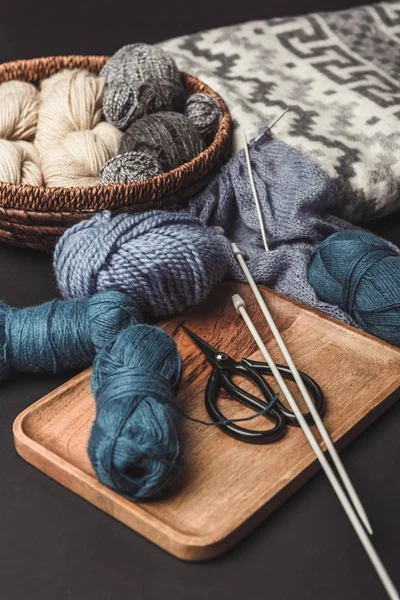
56,546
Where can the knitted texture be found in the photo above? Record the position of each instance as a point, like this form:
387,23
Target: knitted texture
205,113
338,71
360,273
134,444
142,79
165,261
297,203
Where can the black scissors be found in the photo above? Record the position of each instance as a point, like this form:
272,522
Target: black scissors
225,369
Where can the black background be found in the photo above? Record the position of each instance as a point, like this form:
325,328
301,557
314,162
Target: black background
55,546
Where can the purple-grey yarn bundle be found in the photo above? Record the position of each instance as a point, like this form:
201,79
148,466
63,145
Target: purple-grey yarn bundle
165,261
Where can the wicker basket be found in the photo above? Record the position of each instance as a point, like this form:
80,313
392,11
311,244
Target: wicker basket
36,217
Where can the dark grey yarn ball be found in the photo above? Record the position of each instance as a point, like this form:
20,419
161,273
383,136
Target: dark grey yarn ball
206,113
133,166
137,63
124,104
170,137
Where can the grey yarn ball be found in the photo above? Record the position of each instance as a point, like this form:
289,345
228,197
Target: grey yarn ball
124,104
170,137
137,63
142,79
133,166
206,113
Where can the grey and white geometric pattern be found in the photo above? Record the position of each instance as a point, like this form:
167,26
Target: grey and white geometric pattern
340,74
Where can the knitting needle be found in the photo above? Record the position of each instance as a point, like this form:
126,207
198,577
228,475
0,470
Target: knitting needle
289,361
304,392
253,187
240,307
278,118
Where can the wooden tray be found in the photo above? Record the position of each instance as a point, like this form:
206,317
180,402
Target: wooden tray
227,486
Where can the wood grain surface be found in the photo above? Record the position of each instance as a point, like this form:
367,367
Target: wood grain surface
227,487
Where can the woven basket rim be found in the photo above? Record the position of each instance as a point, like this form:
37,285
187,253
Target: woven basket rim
81,195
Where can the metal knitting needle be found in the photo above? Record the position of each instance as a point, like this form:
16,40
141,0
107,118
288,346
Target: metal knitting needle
289,361
240,307
253,187
278,118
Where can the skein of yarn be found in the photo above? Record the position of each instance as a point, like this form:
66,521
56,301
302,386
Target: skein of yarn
61,335
142,79
166,261
19,163
72,140
19,160
19,103
166,139
360,273
205,113
134,445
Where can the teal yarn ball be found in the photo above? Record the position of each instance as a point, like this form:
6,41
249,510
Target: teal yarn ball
60,335
360,273
134,445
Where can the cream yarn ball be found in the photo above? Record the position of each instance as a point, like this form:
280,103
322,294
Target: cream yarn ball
19,159
19,163
19,106
72,140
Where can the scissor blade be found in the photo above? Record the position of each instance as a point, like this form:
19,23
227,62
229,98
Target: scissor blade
206,348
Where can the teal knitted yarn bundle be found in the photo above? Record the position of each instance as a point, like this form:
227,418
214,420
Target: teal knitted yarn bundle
134,445
61,335
360,273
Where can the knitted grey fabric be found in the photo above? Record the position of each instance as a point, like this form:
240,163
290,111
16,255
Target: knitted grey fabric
170,137
142,79
339,72
129,167
297,201
205,112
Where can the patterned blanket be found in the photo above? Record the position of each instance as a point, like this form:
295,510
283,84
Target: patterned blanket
339,72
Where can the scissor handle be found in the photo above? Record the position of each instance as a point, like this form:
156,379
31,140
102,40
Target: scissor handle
312,386
223,379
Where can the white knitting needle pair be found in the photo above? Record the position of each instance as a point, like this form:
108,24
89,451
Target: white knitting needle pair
349,508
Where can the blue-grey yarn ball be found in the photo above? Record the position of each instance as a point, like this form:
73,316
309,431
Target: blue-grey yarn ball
165,261
360,273
134,445
60,335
